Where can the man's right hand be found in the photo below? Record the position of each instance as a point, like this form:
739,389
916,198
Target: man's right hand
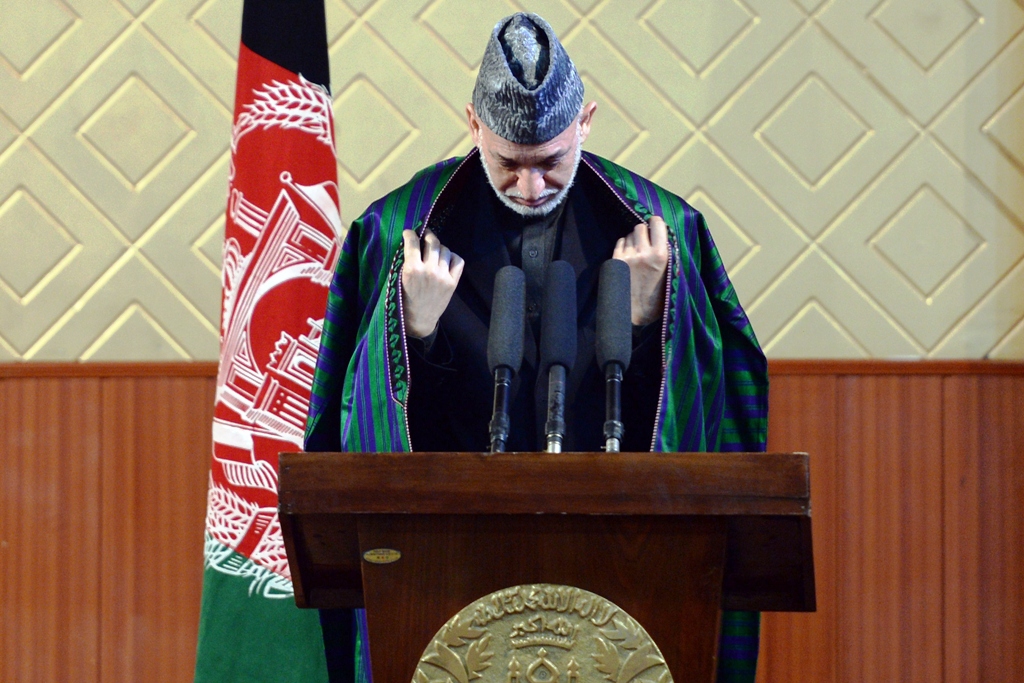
645,250
429,278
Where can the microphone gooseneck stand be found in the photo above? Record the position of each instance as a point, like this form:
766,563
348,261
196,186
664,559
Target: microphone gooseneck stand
554,427
614,430
499,424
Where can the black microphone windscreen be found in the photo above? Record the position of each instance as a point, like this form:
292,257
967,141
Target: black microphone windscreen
614,326
505,336
558,317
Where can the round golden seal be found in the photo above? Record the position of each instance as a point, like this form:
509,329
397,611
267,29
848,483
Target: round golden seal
542,633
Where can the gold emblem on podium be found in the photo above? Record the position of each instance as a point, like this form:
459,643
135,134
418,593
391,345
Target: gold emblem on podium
542,633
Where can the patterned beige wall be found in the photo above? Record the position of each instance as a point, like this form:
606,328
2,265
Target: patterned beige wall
861,162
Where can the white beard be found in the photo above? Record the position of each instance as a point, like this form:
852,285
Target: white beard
557,196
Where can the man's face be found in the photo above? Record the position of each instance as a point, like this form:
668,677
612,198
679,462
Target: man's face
532,180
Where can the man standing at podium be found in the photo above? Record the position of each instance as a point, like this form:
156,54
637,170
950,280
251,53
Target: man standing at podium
402,362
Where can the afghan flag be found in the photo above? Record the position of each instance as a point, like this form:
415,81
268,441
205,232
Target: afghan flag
281,241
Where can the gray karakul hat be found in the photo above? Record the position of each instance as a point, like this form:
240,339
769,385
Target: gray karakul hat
528,90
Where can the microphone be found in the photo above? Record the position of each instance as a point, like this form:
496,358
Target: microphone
505,346
557,344
614,344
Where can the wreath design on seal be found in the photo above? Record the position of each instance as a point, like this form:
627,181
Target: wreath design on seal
642,655
455,634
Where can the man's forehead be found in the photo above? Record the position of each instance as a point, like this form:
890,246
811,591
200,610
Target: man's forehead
507,149
531,153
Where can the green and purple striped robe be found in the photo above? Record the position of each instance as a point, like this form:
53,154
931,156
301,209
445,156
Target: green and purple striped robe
714,394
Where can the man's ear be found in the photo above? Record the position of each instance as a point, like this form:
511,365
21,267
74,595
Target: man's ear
474,123
586,118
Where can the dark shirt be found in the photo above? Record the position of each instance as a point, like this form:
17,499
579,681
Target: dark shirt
532,244
450,387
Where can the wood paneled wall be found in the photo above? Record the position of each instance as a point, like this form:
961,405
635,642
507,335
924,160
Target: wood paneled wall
918,495
104,481
917,479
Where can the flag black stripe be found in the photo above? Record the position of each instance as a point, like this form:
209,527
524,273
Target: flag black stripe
290,33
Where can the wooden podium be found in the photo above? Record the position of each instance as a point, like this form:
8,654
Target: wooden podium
671,538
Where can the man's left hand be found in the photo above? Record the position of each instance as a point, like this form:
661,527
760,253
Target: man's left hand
645,250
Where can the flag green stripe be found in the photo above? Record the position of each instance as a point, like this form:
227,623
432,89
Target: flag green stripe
251,638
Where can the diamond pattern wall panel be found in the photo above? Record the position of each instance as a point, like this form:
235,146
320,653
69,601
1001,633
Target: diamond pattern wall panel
203,35
180,132
922,53
860,163
29,311
923,243
706,55
783,127
46,46
8,133
24,221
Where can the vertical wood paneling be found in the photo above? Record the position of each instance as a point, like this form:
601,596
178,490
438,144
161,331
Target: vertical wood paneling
983,531
78,464
890,531
103,484
918,493
802,417
962,534
153,510
49,530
